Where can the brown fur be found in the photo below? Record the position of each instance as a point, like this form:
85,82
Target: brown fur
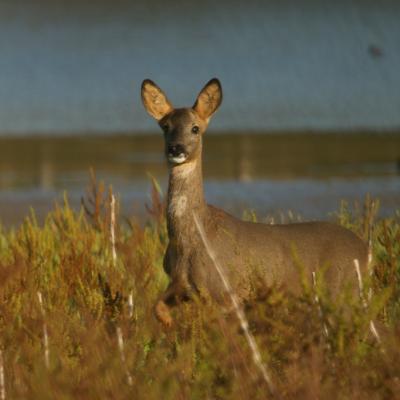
247,251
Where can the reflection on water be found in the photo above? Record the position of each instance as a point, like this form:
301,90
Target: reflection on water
307,173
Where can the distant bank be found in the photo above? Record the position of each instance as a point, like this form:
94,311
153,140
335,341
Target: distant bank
308,174
72,66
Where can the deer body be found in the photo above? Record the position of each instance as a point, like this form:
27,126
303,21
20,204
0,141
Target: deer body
247,251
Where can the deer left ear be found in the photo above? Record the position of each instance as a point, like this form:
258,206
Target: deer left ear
209,99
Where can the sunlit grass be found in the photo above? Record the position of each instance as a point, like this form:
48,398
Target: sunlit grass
85,292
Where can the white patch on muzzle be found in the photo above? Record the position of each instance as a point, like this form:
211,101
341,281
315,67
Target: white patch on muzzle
177,159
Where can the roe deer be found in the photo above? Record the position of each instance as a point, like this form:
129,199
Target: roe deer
244,249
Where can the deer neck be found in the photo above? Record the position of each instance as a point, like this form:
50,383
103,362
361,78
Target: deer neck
185,197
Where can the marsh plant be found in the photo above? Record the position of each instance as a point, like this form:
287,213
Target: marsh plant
91,333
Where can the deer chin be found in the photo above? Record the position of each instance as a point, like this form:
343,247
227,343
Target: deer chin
177,159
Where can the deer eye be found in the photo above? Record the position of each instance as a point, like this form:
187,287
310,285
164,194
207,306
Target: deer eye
165,128
195,129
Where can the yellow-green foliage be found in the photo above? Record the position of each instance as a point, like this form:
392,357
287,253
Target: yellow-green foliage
311,350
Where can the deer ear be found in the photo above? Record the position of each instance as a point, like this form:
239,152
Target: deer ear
209,99
154,100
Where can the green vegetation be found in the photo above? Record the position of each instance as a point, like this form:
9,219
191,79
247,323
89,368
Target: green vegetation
100,345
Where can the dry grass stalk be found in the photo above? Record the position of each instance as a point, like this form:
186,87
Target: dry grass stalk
373,208
130,305
372,326
238,310
370,270
2,379
122,355
321,315
112,228
45,334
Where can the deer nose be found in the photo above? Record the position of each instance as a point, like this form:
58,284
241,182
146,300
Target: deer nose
176,149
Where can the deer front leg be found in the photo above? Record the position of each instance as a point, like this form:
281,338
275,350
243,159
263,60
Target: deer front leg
163,306
179,288
162,313
174,294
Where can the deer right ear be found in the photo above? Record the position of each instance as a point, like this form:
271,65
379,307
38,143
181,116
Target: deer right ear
154,100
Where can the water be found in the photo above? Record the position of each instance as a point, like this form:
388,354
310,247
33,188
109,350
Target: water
306,173
69,66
